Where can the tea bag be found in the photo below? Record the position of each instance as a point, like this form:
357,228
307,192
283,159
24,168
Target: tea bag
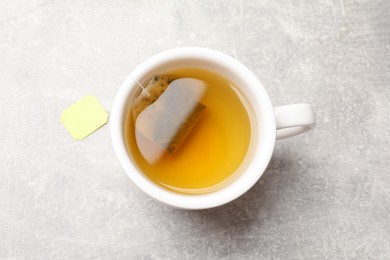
165,114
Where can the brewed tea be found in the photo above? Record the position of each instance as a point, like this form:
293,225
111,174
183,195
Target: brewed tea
216,144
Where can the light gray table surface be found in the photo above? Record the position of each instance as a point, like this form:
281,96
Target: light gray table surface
325,195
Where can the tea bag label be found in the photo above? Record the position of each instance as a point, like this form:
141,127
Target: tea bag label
162,126
84,117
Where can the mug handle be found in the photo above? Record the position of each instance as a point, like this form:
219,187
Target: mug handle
294,120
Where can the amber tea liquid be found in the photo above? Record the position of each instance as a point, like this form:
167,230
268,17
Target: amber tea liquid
215,147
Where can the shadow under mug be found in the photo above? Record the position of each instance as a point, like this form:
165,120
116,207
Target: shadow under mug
268,123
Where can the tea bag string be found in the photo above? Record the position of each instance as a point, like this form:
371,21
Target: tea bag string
142,87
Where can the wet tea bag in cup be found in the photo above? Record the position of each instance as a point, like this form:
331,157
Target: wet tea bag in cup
164,113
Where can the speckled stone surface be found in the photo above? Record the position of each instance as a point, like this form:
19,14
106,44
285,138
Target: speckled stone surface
325,195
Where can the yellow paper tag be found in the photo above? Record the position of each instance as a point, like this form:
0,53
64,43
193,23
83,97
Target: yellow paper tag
84,117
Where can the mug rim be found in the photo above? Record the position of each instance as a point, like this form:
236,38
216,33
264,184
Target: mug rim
257,164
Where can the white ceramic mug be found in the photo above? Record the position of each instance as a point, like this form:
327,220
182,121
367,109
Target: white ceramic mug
268,123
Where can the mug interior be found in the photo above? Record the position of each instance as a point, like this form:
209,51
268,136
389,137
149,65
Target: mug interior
259,109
